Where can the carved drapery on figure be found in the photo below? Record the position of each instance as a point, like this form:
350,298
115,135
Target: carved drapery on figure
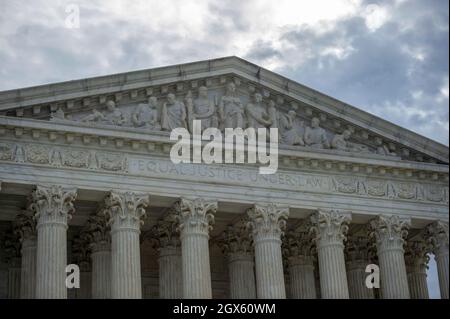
173,114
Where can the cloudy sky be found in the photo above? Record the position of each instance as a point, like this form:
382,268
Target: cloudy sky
389,58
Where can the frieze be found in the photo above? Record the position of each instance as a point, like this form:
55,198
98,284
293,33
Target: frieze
59,156
353,185
63,157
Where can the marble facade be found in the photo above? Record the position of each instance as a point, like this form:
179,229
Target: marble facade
86,178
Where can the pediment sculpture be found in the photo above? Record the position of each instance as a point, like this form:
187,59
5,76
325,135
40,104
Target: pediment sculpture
230,110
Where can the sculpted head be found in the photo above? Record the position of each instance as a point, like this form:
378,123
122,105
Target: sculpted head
258,97
203,92
346,134
292,113
152,101
171,98
110,105
231,88
315,122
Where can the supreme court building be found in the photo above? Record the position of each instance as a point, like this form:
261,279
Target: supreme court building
86,179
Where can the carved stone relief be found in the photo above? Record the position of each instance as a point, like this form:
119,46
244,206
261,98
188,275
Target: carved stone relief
231,109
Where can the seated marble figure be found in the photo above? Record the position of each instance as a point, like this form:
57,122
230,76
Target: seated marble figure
202,108
112,115
291,129
257,115
146,115
315,136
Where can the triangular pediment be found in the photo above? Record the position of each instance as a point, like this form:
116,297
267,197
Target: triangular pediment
140,100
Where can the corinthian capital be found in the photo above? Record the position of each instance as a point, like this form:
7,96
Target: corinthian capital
330,226
25,225
298,246
98,231
358,251
267,220
80,249
165,232
389,231
126,209
195,215
437,235
53,204
235,240
416,255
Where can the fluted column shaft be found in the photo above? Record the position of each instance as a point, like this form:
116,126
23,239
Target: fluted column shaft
85,290
14,273
268,222
302,281
330,228
28,275
196,217
51,261
101,272
417,282
126,264
389,232
333,277
126,210
242,276
393,278
356,275
196,267
442,268
170,277
437,235
53,206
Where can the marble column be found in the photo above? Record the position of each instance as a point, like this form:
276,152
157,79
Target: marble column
14,278
437,234
237,247
126,211
389,232
100,246
357,258
101,270
299,249
54,207
416,259
195,217
81,257
330,228
267,223
26,228
167,242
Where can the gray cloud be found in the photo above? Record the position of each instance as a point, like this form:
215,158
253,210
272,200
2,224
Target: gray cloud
397,72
